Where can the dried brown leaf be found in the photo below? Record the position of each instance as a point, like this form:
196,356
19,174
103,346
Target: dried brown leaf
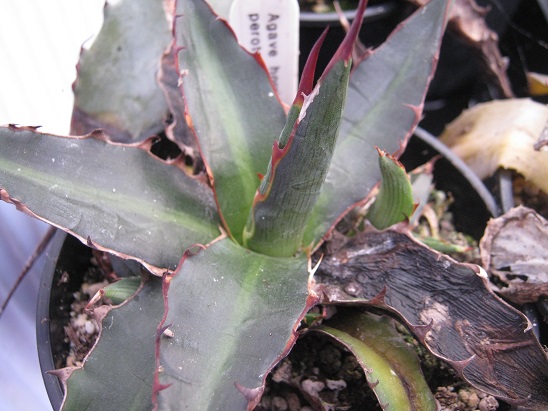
447,305
502,133
467,21
538,84
515,249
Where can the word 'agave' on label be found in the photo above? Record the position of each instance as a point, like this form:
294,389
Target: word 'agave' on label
271,29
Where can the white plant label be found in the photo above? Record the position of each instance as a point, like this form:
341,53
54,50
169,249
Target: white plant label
271,28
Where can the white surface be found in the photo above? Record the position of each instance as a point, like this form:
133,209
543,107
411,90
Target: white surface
21,385
39,45
271,29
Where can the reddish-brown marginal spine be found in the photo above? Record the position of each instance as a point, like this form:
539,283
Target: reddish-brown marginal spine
344,52
307,78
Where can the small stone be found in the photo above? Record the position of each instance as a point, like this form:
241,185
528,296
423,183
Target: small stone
312,387
488,403
266,402
278,404
446,398
330,311
89,327
336,385
70,361
92,289
353,289
293,401
80,321
282,373
469,397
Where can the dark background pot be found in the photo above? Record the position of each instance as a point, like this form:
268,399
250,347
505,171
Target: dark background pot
473,204
66,258
461,80
460,73
381,17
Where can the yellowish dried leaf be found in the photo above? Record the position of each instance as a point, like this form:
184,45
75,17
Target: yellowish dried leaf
503,134
538,84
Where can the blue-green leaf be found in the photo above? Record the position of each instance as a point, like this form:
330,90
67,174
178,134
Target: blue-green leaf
383,106
232,315
235,113
116,88
116,197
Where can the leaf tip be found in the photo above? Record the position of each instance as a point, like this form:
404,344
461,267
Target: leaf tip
307,80
344,52
385,156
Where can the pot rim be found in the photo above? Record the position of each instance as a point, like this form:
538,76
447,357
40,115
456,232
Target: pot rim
372,13
53,386
462,167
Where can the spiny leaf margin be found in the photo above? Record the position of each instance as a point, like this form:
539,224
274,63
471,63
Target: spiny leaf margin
150,212
384,103
447,305
233,314
233,107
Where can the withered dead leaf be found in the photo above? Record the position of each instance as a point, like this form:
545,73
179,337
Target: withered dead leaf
447,305
502,133
538,84
515,249
467,21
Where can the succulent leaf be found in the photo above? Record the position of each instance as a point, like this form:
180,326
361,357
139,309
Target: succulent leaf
178,130
114,377
294,179
305,88
151,211
122,289
233,315
116,88
300,161
385,97
394,202
391,367
233,107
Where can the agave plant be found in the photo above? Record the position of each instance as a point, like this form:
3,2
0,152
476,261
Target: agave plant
229,230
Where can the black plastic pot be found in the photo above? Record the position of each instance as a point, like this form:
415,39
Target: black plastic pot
460,75
65,256
473,203
381,17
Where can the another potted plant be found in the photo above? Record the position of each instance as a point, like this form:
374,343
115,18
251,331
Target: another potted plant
229,223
